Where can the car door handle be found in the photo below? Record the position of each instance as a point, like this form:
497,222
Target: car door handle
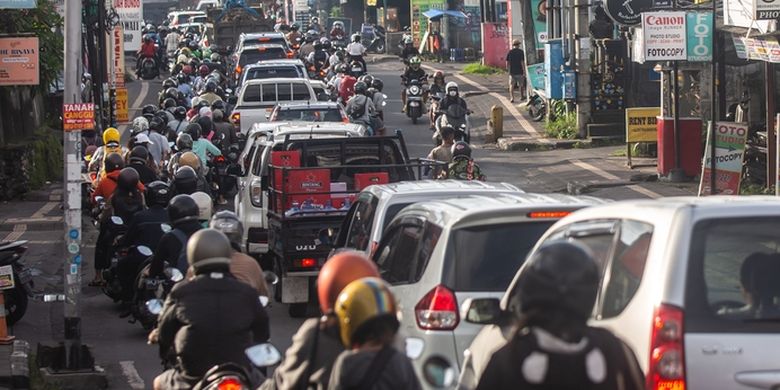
769,379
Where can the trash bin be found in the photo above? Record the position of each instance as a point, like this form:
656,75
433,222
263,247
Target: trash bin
691,143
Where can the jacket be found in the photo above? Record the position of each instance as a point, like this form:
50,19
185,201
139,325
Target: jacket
464,169
351,367
246,269
210,320
106,186
298,362
169,247
146,228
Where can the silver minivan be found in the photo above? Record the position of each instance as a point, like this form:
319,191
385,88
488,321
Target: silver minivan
436,254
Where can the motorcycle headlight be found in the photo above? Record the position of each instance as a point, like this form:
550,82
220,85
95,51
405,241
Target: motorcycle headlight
414,89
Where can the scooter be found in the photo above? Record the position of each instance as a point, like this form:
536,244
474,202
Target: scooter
414,99
356,68
152,291
375,43
537,106
456,117
17,297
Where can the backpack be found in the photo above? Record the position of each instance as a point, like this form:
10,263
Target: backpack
356,111
109,148
181,261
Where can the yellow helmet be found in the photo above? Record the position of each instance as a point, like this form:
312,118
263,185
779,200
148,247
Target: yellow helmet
110,135
191,160
361,302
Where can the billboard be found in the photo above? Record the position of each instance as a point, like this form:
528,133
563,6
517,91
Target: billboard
664,36
131,16
19,61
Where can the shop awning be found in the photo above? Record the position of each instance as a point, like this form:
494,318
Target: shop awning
437,13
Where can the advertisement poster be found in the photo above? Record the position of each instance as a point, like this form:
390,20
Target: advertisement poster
6,277
539,13
80,116
19,61
121,105
131,16
536,75
766,9
419,21
641,124
495,41
699,27
118,43
17,4
664,36
729,151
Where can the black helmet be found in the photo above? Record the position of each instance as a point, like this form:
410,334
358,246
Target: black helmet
182,78
157,124
193,129
157,193
294,27
211,86
208,247
182,208
206,124
180,113
377,84
169,83
128,179
113,162
184,142
461,149
139,154
150,110
228,223
218,105
367,78
172,93
561,275
163,115
186,180
360,88
169,102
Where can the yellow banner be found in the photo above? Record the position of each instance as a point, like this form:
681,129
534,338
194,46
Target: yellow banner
641,124
371,3
121,105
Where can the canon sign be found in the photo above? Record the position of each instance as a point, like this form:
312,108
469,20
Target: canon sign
665,20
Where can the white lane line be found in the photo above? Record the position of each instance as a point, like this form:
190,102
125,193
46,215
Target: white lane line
136,104
16,233
49,206
609,176
129,371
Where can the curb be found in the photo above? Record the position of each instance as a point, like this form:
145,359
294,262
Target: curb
533,144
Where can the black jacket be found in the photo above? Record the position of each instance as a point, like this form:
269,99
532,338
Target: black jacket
411,74
170,247
209,321
146,228
145,174
228,131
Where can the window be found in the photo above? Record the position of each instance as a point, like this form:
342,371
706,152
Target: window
625,271
308,115
404,252
391,212
359,235
734,275
284,93
252,93
272,72
301,92
269,93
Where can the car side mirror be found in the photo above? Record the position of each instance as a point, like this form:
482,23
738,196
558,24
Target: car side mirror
267,116
482,311
327,236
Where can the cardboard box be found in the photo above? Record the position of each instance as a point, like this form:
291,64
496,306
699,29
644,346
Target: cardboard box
363,180
315,183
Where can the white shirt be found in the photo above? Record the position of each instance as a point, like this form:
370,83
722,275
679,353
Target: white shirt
356,49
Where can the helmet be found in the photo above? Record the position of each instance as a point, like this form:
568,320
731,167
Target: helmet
452,86
339,271
180,113
182,59
203,71
217,115
157,123
172,93
186,180
438,75
169,83
366,78
461,149
206,125
377,84
168,103
86,77
295,27
189,159
315,20
182,78
148,109
215,57
218,105
356,37
139,154
341,68
228,223
208,247
113,162
182,208
317,45
415,62
184,142
193,129
211,86
128,179
560,275
111,135
187,69
360,88
140,125
157,193
147,38
363,305
204,205
408,40
193,45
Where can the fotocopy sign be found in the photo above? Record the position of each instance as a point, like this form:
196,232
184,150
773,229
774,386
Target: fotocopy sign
766,9
699,26
131,15
729,152
664,36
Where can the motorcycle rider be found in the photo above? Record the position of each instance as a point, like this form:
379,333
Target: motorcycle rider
314,24
185,181
413,72
294,35
316,344
463,167
307,47
209,94
360,107
346,86
553,329
224,130
205,207
337,32
452,97
375,92
443,152
201,146
110,145
147,50
356,51
183,214
318,58
437,90
335,59
368,322
193,322
159,148
200,82
408,50
172,42
139,160
189,159
183,145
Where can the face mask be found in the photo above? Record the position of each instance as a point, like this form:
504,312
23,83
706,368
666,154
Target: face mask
453,93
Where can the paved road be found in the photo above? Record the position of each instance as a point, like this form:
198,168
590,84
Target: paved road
120,347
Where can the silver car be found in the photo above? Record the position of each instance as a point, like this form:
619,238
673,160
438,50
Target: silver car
436,254
692,285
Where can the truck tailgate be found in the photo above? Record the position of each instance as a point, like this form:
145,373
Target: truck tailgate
296,240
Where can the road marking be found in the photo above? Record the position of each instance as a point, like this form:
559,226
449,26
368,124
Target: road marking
49,206
136,105
33,220
609,176
129,371
16,233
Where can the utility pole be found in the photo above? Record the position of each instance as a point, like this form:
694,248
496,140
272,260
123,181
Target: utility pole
582,65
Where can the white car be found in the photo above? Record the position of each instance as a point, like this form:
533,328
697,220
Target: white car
692,285
203,5
257,98
180,17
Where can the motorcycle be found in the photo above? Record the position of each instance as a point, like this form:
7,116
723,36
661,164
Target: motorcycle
375,43
113,287
149,68
356,68
537,106
456,117
16,298
317,70
150,293
414,98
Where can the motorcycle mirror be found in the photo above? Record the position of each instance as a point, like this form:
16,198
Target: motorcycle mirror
326,236
173,274
165,227
438,373
263,355
116,220
384,96
263,300
414,347
171,145
270,278
144,250
228,91
99,199
154,306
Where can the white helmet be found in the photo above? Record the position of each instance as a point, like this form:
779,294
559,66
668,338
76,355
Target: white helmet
203,200
140,125
451,86
408,40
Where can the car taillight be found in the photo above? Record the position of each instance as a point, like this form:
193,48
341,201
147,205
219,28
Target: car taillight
437,310
256,193
235,117
667,360
230,383
219,159
548,214
306,262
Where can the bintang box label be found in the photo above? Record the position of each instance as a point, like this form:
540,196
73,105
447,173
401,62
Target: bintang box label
729,153
641,124
78,116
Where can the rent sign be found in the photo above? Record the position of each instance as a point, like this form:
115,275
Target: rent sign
664,36
729,151
641,124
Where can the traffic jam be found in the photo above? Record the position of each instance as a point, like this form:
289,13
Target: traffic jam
265,176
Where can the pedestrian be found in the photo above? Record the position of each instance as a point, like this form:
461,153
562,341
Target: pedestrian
553,347
515,60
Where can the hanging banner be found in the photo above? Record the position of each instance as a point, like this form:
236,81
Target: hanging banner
131,16
539,14
19,61
699,28
664,36
766,9
641,124
79,116
495,41
118,40
121,105
741,13
729,152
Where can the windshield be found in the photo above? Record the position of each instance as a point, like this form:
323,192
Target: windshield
268,72
308,115
485,258
251,56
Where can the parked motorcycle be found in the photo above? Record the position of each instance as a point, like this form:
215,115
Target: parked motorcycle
537,106
375,43
414,98
17,297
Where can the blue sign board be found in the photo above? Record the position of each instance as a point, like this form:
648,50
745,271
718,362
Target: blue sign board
699,36
553,60
17,4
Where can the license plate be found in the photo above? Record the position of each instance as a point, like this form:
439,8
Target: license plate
25,276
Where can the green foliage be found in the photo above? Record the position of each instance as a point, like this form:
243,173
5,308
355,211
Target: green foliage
563,126
46,164
44,22
478,68
755,189
335,12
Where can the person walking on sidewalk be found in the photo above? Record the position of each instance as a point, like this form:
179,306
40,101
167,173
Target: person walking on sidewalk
515,60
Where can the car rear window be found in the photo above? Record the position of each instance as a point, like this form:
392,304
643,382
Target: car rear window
734,275
309,115
485,258
265,40
251,56
276,92
269,72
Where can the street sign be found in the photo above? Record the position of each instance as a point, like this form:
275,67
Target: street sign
766,9
79,116
641,124
627,12
664,36
729,152
121,105
19,61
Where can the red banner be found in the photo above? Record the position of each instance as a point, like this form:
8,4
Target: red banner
495,44
79,116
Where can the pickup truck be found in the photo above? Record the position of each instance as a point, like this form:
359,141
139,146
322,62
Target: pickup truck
311,184
257,98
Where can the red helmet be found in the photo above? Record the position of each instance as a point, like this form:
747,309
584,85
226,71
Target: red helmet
339,271
186,69
203,70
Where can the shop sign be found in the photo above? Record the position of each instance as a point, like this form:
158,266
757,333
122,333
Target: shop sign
766,9
80,116
536,75
495,41
627,12
699,28
741,13
118,41
641,124
121,105
729,152
19,61
664,36
17,4
131,16
759,49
